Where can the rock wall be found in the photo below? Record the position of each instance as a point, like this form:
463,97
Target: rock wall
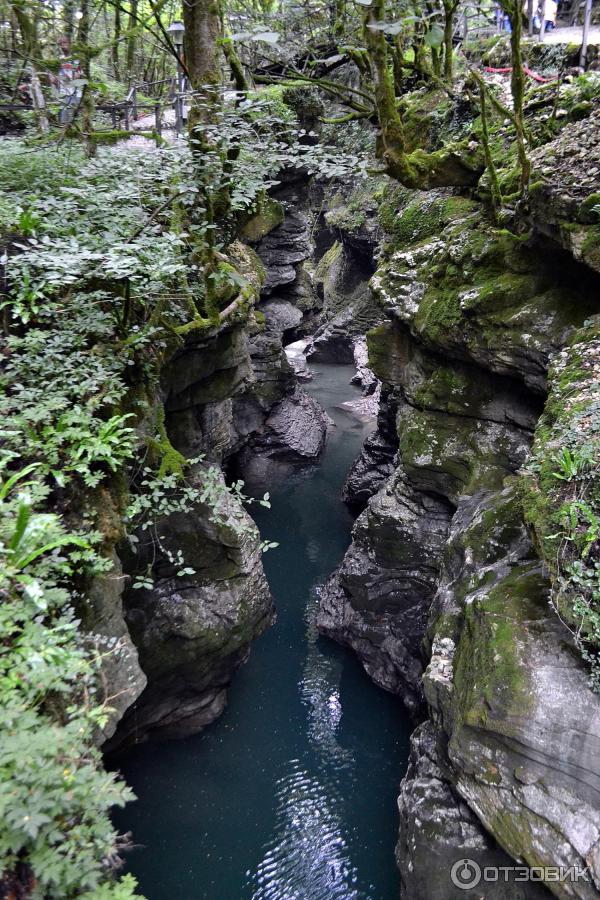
193,631
442,593
230,398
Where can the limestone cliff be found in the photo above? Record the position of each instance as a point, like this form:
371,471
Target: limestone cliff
445,593
229,396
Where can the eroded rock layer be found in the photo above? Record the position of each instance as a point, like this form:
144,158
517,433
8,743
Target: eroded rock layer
442,593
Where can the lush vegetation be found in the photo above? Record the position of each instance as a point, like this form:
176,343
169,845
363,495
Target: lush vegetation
99,283
112,256
562,501
109,262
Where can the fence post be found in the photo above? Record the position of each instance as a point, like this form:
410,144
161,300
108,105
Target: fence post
157,121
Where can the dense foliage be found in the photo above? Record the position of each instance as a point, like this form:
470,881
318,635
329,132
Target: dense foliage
82,351
563,500
112,257
104,277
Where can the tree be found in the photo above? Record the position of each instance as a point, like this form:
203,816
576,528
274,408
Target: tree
27,15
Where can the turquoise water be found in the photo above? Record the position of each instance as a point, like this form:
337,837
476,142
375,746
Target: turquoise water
291,794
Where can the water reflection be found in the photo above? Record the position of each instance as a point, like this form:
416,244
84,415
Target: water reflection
311,860
320,694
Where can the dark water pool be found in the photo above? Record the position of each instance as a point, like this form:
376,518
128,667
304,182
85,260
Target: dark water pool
291,794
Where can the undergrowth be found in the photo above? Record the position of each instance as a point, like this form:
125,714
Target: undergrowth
562,496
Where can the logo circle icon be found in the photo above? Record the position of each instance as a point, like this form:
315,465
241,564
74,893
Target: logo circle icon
465,874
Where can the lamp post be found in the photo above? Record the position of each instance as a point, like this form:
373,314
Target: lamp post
176,30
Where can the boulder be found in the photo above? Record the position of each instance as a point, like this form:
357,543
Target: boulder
193,630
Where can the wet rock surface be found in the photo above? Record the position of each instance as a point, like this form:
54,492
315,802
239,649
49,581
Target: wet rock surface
282,249
378,600
505,688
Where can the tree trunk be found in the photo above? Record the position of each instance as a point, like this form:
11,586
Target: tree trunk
203,32
338,16
517,84
131,40
115,45
32,51
449,10
87,101
391,131
69,14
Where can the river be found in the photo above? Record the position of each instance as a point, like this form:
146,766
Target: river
291,794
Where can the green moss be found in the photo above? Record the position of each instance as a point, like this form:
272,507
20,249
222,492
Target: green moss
580,110
589,211
561,500
162,454
590,249
439,312
107,138
444,390
269,101
410,218
490,678
453,454
387,354
304,99
350,212
328,260
268,214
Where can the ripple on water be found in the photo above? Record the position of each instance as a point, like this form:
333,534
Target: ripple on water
310,859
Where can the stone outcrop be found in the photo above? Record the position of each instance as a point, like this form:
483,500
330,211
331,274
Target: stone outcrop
193,631
505,691
437,829
104,617
565,199
442,593
374,465
201,597
377,601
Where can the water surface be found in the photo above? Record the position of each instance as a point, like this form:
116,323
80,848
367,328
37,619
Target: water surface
291,794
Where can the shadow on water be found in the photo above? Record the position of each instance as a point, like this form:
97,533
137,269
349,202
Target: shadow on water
291,794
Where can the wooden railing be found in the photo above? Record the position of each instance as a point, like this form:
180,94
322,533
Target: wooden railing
123,113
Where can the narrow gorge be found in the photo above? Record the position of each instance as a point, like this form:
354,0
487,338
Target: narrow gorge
300,504
443,592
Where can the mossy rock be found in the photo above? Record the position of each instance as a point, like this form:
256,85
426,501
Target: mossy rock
490,679
267,216
350,211
432,119
409,217
248,264
456,455
483,294
306,101
561,492
387,348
